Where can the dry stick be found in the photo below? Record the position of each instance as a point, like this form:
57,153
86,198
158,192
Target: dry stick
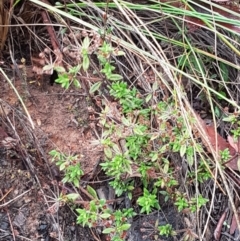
94,236
10,222
13,234
17,235
86,193
14,199
50,30
6,194
53,38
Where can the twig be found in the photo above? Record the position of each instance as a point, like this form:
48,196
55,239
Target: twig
19,236
6,194
10,222
53,38
86,193
13,234
14,199
95,237
50,30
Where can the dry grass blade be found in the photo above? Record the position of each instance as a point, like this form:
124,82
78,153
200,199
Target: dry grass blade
5,17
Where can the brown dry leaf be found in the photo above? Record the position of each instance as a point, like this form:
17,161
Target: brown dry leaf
233,226
210,140
234,162
217,231
193,23
232,143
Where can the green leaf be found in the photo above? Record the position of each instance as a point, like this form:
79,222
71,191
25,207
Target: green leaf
65,179
116,148
108,152
114,77
86,43
47,67
231,118
76,182
224,71
182,60
108,230
85,63
74,70
222,93
148,98
62,166
118,53
72,196
166,168
59,69
125,121
137,131
95,87
76,83
217,112
65,85
125,227
92,192
105,215
155,86
53,153
183,149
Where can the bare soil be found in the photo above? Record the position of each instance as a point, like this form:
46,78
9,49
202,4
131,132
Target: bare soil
29,189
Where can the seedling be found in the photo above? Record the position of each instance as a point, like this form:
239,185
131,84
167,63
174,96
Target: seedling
70,165
148,201
96,214
166,230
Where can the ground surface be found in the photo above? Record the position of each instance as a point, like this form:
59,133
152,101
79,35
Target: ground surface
30,183
67,121
62,123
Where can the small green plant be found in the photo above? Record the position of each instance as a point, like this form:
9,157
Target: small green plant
166,230
194,204
146,151
97,214
148,201
117,166
181,203
93,214
226,224
85,49
234,120
136,144
122,186
70,165
128,98
104,53
225,155
197,202
143,169
66,78
203,173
